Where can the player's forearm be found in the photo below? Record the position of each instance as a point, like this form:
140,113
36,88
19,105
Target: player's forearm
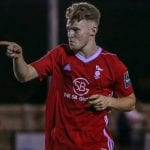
123,103
20,68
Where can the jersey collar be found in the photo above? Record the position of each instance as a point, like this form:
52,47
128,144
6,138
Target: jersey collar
85,60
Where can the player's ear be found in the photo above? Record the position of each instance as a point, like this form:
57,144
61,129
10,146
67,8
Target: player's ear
93,30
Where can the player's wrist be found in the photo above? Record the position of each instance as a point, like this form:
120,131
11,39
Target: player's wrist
110,102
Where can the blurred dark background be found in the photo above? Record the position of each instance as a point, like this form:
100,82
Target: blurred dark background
124,30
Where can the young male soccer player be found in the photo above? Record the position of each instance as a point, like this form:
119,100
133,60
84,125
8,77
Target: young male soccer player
87,81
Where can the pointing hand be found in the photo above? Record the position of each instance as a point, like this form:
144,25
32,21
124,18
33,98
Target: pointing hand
13,50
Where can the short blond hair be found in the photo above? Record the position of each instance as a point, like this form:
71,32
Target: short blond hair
83,10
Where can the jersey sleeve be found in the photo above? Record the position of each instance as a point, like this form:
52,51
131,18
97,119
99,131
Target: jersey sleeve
123,85
44,66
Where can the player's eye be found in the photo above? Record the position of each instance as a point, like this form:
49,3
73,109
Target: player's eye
76,29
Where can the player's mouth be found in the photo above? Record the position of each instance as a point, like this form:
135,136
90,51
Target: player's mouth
71,42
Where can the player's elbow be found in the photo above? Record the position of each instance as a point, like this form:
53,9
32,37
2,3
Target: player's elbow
131,107
21,80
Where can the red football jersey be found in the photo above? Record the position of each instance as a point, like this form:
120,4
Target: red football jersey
71,123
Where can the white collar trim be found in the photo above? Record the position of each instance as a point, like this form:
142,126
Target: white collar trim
85,60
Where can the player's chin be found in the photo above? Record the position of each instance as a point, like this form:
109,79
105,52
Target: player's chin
74,48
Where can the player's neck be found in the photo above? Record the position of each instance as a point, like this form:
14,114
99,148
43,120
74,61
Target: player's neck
89,50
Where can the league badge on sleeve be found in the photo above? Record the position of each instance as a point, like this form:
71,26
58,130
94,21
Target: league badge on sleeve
127,81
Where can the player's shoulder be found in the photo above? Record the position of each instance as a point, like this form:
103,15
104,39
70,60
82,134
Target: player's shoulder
62,47
106,53
109,55
111,58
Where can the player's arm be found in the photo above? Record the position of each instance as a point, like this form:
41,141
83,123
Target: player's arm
22,71
100,102
123,103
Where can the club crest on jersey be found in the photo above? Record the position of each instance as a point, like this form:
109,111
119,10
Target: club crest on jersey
127,81
97,72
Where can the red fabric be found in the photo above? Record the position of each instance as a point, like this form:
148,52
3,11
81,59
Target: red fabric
71,124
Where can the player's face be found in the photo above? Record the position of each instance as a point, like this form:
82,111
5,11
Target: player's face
79,33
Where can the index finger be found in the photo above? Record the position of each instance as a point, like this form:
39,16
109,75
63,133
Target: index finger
93,97
93,101
5,43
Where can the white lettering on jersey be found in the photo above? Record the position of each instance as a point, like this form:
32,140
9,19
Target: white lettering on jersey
75,97
80,86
